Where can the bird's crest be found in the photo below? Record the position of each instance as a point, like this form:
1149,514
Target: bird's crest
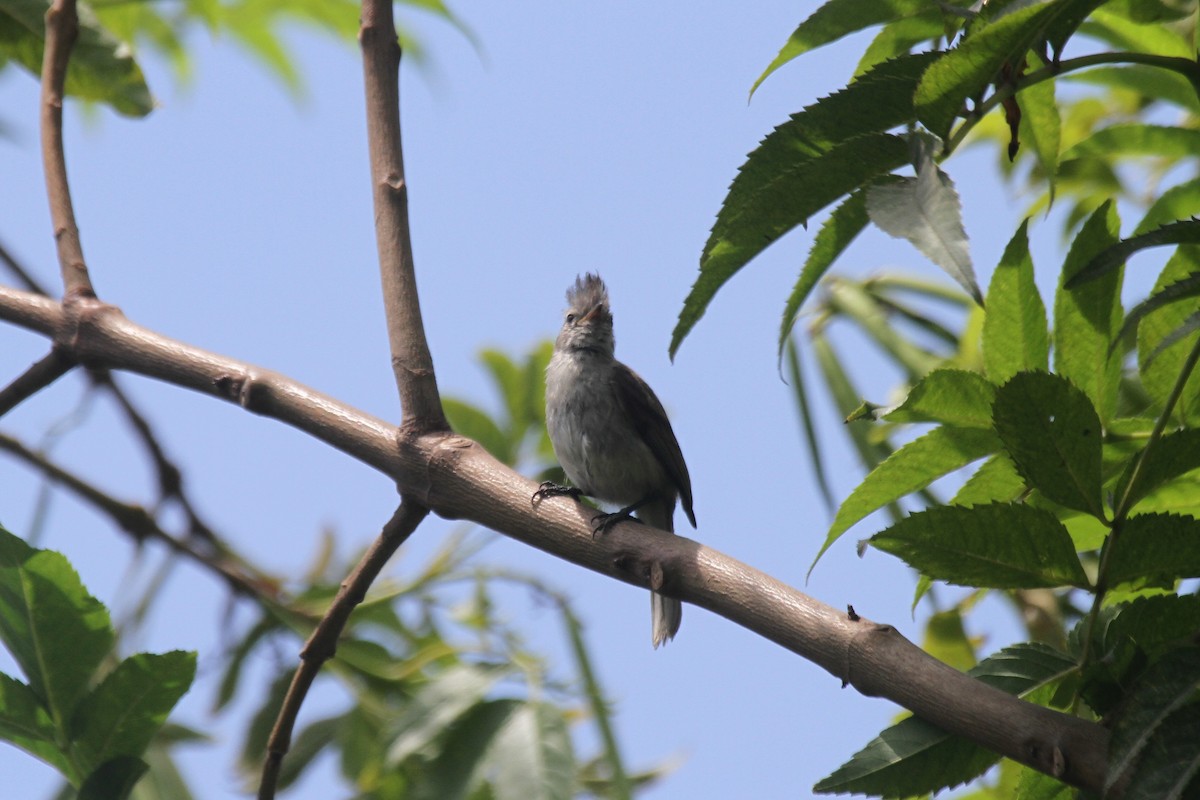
588,292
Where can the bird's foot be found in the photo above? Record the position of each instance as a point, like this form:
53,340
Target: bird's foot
602,523
552,489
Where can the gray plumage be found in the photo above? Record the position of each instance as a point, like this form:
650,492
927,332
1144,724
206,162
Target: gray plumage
610,432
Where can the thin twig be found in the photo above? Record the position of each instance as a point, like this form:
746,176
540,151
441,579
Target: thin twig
322,644
62,28
139,523
44,372
412,363
23,275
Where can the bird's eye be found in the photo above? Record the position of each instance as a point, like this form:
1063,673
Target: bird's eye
570,317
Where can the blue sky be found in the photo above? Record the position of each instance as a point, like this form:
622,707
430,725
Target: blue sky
578,138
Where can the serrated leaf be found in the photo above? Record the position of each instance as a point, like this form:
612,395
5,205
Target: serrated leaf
1182,289
900,36
914,757
797,193
1015,338
997,546
926,211
1160,547
838,18
1159,365
996,481
1178,202
950,396
1158,733
1054,437
24,722
1087,318
911,468
1185,231
1172,456
969,68
1156,624
836,234
532,757
56,632
121,715
1040,126
101,67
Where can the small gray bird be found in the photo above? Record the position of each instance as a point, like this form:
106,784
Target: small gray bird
611,434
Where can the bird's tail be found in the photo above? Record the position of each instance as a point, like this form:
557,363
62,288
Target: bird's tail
666,613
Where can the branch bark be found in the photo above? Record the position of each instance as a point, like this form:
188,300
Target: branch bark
41,374
456,478
62,28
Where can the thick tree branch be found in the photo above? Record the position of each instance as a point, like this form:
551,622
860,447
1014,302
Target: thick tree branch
39,375
62,28
411,361
457,479
322,644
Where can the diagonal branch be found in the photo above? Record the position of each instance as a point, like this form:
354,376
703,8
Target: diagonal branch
39,375
458,479
322,644
62,28
411,361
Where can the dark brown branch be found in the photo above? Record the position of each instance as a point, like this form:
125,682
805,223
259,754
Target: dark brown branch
62,28
322,644
456,478
140,524
39,375
412,363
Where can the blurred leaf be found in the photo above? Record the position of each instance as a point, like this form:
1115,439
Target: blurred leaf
901,35
836,234
438,704
1149,82
797,381
475,424
1138,139
306,745
113,780
969,68
532,758
1088,318
1181,232
796,192
56,632
914,757
461,762
1040,126
874,317
926,211
101,67
1172,456
1182,289
1157,735
950,396
1015,338
237,659
1160,547
1176,203
998,546
914,466
121,715
946,640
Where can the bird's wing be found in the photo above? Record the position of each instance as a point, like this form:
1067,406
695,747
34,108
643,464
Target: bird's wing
650,419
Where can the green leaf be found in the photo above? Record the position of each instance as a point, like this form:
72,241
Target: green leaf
113,780
1147,81
1159,547
1088,318
946,639
836,234
1015,338
306,746
911,468
1040,126
914,757
25,723
121,715
1185,231
1054,437
1178,202
900,36
1182,289
474,423
1160,356
532,758
968,69
438,704
462,760
1138,139
1156,734
1172,456
798,192
798,383
57,633
950,396
997,546
926,211
996,481
101,67
1156,624
837,18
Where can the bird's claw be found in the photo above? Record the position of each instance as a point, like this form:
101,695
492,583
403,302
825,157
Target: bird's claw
602,523
552,489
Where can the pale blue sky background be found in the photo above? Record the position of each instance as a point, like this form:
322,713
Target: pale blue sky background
583,137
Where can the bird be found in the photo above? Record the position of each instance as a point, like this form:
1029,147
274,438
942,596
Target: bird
611,434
